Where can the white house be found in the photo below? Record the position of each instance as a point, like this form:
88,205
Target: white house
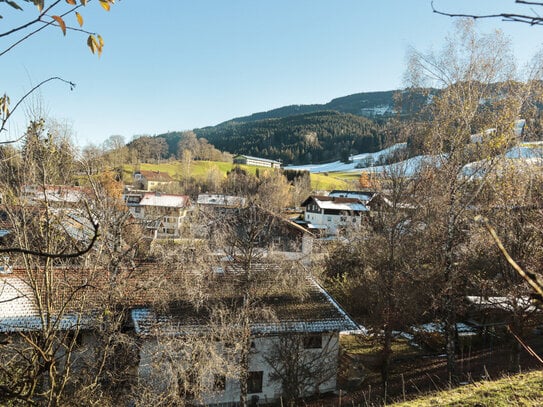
333,213
313,321
162,214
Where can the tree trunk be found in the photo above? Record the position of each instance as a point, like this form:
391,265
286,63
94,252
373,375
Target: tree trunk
385,362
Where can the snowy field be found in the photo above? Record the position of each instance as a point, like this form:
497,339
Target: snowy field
367,162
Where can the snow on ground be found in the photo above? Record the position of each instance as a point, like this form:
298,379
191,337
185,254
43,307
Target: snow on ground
365,159
531,152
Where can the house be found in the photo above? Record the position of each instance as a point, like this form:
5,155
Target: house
484,312
271,232
364,196
161,214
221,200
256,161
56,195
152,180
313,321
331,213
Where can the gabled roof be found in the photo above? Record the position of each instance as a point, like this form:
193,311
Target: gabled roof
56,193
336,203
317,312
364,196
156,176
221,200
164,200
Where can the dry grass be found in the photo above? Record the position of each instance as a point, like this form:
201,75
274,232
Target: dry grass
518,390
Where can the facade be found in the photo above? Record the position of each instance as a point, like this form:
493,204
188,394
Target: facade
161,214
333,213
152,180
313,324
256,161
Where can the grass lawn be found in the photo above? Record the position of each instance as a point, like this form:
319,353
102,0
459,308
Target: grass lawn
518,390
200,169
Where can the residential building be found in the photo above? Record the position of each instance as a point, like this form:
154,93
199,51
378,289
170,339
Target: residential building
152,180
221,200
313,319
161,214
364,196
332,214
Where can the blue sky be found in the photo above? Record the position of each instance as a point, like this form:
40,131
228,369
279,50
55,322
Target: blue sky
177,65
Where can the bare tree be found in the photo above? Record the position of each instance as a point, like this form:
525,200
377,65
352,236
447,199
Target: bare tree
470,128
297,370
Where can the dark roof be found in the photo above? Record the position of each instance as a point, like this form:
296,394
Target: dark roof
335,199
156,176
312,310
143,288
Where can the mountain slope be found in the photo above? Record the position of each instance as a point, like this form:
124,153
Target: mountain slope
305,138
369,104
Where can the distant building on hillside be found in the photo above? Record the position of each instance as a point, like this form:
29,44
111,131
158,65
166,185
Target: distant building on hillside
151,180
259,162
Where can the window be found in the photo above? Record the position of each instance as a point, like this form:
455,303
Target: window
219,382
137,210
313,342
75,338
254,382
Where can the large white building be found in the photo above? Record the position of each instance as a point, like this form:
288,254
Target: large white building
256,161
333,213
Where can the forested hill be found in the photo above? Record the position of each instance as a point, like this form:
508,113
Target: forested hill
368,104
304,138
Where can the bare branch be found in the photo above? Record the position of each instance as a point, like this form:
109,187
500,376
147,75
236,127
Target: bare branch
10,113
61,255
513,17
531,279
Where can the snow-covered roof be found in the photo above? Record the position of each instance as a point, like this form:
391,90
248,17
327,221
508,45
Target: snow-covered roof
362,195
219,199
164,200
502,303
18,311
337,203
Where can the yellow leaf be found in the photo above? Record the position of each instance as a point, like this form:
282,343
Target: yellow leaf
39,4
61,23
72,2
100,45
79,19
105,4
83,2
91,43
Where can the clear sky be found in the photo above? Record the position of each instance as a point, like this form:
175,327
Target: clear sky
183,64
